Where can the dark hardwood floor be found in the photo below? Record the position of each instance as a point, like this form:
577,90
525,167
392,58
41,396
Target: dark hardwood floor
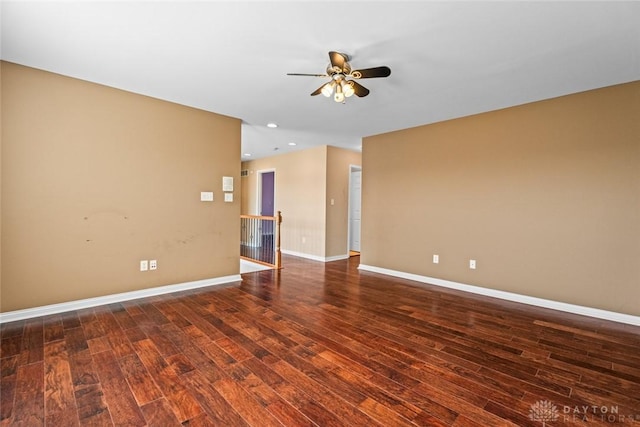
319,344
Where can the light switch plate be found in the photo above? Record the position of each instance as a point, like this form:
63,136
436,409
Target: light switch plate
206,196
227,183
228,197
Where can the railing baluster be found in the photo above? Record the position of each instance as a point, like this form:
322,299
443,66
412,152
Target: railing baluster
260,239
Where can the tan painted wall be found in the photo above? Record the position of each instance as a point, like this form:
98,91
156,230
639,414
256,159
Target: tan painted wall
300,190
545,196
96,179
2,131
338,162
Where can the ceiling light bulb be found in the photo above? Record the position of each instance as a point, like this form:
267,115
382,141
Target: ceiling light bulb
272,125
327,89
339,96
348,89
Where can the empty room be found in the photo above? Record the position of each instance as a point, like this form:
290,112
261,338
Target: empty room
355,213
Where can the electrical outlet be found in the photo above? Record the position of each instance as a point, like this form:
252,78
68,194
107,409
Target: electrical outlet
144,265
436,259
153,264
472,264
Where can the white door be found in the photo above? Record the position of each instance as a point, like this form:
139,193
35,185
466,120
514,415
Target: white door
355,205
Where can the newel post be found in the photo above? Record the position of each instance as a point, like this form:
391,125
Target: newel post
278,253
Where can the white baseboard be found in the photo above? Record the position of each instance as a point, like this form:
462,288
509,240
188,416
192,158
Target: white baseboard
509,296
315,257
46,310
336,258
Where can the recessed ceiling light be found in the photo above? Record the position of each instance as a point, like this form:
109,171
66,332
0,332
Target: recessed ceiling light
272,125
292,144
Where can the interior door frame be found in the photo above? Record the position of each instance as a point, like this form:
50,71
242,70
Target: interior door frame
353,168
259,190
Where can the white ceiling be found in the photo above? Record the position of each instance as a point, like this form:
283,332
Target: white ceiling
448,59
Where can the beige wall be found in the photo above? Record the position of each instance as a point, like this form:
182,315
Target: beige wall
545,196
1,138
96,179
338,168
305,182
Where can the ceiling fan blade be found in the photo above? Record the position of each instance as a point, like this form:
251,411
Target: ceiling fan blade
358,89
338,60
317,91
368,73
310,75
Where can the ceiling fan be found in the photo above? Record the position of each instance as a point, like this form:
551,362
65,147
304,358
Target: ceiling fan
339,70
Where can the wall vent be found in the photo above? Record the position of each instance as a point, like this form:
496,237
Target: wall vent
244,173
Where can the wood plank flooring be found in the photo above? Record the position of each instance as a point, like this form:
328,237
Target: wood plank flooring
318,345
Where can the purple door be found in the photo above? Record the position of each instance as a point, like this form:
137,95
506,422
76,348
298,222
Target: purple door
266,202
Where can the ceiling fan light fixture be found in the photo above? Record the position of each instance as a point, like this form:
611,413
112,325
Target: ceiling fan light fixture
339,96
347,89
327,90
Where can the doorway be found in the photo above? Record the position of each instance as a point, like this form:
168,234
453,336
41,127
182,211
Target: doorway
266,200
355,208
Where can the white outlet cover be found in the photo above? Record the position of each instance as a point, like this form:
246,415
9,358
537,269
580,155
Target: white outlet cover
228,197
206,196
472,264
153,264
144,265
436,259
